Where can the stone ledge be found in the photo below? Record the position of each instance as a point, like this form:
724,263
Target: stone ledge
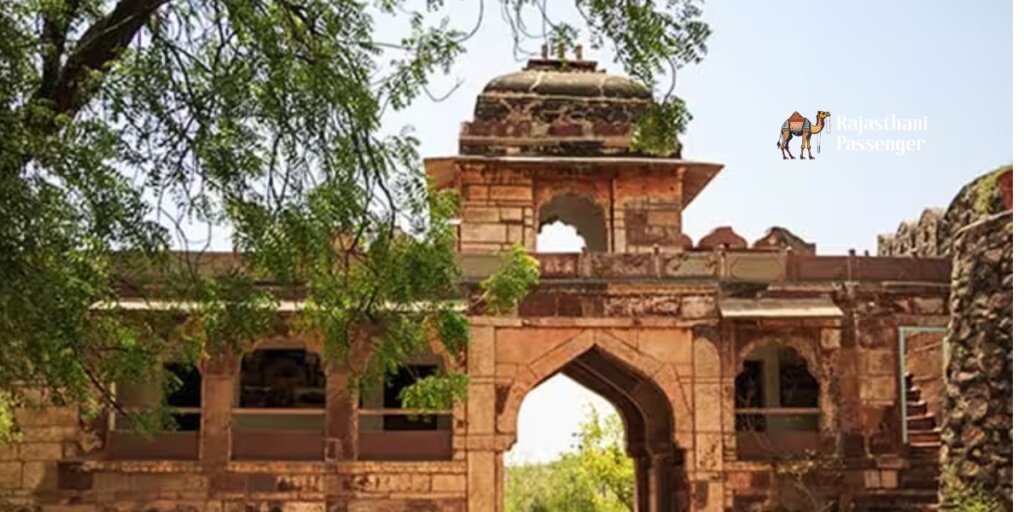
317,468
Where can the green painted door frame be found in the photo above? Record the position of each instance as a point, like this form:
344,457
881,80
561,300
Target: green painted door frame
904,330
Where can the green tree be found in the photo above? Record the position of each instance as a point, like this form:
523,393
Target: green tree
124,120
597,476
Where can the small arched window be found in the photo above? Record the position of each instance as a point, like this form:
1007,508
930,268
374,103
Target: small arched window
179,388
279,406
281,379
580,212
388,431
777,403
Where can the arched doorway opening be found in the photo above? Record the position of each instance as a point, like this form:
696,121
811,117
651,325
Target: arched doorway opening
569,453
581,213
646,413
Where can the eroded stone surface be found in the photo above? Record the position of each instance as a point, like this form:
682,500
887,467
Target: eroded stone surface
977,443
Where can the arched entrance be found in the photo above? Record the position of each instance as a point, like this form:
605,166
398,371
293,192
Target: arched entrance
649,425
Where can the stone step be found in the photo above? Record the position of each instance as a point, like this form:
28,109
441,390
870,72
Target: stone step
924,436
921,422
924,451
916,408
913,394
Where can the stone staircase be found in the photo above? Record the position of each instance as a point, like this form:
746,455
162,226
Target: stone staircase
918,487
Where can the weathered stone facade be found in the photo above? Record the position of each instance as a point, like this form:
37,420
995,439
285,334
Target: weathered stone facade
932,234
977,441
668,332
556,108
920,238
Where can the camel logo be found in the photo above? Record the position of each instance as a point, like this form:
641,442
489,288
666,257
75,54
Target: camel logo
801,126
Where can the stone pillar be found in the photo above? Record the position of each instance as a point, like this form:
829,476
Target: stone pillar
484,471
484,452
661,488
220,385
772,386
342,417
977,447
641,473
709,396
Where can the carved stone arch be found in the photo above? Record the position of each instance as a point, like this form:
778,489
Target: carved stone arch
535,372
820,364
643,389
580,211
661,374
550,363
805,347
310,345
447,360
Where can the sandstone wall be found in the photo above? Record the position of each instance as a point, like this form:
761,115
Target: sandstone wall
977,446
32,464
914,238
613,210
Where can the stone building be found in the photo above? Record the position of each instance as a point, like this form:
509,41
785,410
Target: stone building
920,238
722,357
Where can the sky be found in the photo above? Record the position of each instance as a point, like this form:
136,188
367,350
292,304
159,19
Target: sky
941,62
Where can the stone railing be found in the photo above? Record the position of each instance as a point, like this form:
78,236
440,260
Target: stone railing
746,265
743,265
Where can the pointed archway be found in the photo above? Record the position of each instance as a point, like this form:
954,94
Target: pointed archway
646,411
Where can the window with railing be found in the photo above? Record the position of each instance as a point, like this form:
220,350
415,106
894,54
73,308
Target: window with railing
159,417
279,408
776,404
387,431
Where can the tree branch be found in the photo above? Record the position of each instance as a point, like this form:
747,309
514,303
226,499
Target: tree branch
54,39
101,44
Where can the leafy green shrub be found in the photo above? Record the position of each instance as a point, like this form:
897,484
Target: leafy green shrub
971,499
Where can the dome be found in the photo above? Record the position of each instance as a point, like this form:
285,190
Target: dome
568,78
556,107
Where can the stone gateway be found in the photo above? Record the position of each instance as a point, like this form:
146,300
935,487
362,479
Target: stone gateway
726,360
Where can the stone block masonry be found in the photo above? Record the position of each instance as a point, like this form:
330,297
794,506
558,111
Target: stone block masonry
977,442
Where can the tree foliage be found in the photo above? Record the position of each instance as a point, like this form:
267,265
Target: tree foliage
126,121
597,476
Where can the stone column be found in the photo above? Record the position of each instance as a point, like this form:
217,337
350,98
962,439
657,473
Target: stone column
342,417
484,452
641,473
709,396
220,385
661,488
772,386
